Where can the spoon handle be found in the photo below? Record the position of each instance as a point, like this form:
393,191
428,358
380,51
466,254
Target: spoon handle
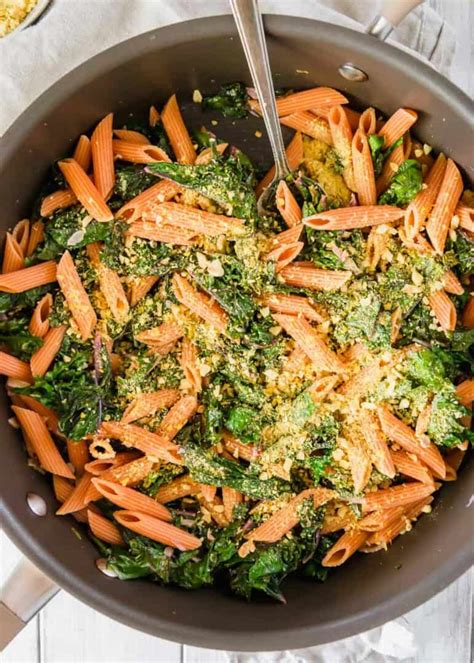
252,35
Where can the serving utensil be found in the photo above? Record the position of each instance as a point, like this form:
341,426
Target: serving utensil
252,35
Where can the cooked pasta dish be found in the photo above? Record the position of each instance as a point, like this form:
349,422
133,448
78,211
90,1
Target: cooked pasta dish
222,396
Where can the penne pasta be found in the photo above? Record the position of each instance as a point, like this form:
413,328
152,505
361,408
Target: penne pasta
85,191
287,205
21,233
76,500
366,122
62,488
397,125
195,220
207,154
156,447
15,368
42,359
50,417
230,499
39,323
146,405
284,254
443,309
131,136
177,133
311,342
420,207
176,489
398,526
411,467
43,445
293,305
177,417
153,116
110,284
401,495
190,366
103,529
347,544
140,287
162,233
131,499
60,199
465,392
138,153
400,433
444,207
305,275
364,178
76,297
305,100
83,153
341,133
29,277
36,237
164,334
309,124
158,193
465,215
199,304
467,314
103,157
157,530
346,218
294,155
376,443
13,257
238,449
359,461
452,284
78,454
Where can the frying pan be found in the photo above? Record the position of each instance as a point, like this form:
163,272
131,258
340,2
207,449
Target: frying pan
202,54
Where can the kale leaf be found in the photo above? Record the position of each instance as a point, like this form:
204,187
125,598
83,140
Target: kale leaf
130,181
18,301
445,427
14,333
379,155
231,100
205,467
404,185
226,180
65,231
244,422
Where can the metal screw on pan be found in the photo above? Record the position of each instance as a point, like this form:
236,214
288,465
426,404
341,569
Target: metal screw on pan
391,14
36,504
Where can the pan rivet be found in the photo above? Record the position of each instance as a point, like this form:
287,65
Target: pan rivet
352,73
36,504
101,564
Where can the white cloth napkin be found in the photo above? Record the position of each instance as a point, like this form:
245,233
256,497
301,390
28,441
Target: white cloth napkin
72,31
75,30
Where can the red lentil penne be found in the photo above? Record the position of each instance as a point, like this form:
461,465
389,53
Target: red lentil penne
364,178
199,304
284,254
29,277
50,417
13,257
410,466
176,489
158,193
168,332
401,495
131,499
83,152
103,157
397,125
177,133
157,530
311,342
451,283
305,275
403,435
443,309
138,153
44,447
104,529
21,233
465,392
110,285
130,136
420,207
15,368
294,155
347,544
287,205
76,500
195,220
177,417
78,454
60,199
42,359
346,218
76,297
307,99
190,365
341,133
292,305
376,443
36,237
162,233
444,207
39,323
85,191
140,287
146,405
152,445
467,314
309,124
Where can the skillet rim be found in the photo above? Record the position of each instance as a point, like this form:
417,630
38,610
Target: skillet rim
18,530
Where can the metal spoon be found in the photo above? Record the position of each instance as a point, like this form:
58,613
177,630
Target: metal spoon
252,35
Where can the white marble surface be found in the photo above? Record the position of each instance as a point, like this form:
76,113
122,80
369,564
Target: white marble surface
68,631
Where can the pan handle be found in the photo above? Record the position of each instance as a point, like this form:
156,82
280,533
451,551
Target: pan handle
390,15
26,591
